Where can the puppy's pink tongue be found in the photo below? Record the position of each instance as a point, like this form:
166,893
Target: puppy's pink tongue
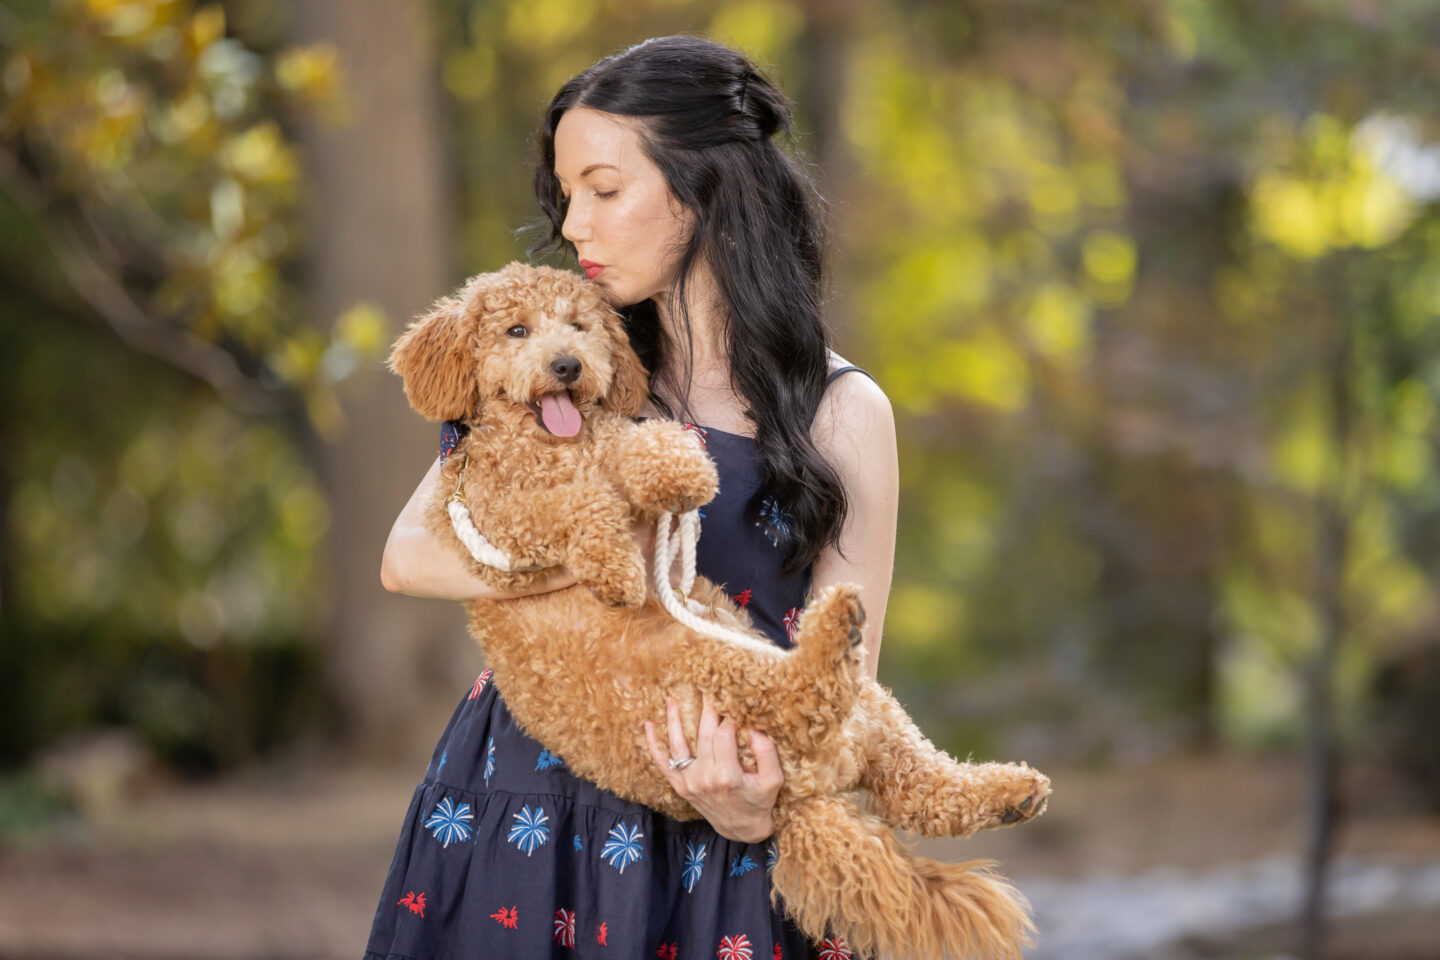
560,416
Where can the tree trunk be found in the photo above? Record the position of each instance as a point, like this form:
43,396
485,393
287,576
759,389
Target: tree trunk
1330,558
379,231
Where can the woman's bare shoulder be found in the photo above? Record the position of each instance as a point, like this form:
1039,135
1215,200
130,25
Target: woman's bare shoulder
854,415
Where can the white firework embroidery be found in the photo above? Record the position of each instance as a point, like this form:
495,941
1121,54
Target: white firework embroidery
529,832
623,847
450,823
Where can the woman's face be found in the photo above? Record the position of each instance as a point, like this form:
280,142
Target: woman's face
627,228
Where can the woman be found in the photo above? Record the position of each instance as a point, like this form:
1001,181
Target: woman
659,173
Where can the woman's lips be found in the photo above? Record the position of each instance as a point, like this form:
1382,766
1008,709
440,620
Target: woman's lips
592,270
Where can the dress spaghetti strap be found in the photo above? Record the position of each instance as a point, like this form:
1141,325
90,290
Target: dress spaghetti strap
835,374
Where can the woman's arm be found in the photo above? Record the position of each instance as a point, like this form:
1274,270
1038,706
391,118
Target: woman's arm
418,564
855,431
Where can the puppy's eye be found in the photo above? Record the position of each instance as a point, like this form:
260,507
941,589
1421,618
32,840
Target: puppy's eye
517,331
577,326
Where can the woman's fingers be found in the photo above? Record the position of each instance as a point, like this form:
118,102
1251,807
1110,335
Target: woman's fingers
740,805
655,752
705,738
679,749
677,782
726,771
767,761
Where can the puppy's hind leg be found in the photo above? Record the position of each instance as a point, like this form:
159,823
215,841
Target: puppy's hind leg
919,787
824,671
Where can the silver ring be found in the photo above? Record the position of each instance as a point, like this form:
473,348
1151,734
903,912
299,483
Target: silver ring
682,763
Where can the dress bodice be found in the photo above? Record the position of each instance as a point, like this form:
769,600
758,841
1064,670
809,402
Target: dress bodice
745,538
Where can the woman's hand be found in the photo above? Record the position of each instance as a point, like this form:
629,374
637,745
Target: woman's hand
738,804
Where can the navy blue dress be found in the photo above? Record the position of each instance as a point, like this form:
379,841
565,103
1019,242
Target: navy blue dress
505,853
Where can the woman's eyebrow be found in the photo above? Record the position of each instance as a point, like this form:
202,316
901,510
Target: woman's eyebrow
589,170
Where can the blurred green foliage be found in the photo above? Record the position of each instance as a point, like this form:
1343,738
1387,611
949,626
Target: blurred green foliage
1110,261
161,517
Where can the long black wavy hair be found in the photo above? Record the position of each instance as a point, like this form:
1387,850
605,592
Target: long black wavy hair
709,119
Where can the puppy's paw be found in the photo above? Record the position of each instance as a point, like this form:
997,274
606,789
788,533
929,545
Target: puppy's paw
620,587
674,489
617,596
836,613
667,470
1018,793
614,572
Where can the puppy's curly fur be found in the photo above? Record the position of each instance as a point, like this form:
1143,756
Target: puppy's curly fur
581,668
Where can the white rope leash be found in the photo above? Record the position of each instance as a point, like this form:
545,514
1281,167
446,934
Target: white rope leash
481,549
678,604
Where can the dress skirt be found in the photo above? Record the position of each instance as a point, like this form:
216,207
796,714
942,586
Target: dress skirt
505,853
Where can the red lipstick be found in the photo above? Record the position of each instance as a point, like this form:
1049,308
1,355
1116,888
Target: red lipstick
592,270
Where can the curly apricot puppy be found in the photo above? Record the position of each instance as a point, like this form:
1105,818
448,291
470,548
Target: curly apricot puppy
554,470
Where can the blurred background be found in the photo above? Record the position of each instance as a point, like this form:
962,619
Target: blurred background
1153,286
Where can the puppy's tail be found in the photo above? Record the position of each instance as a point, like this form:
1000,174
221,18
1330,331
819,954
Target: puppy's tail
841,874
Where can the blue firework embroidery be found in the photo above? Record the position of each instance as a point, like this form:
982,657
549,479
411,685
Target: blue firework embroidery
741,865
772,854
578,844
623,847
443,755
529,832
489,760
773,522
547,760
450,823
694,866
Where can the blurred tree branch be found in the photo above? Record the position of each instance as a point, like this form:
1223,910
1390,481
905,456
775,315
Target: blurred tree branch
103,290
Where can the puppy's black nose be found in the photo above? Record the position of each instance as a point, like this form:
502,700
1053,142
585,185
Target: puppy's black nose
566,369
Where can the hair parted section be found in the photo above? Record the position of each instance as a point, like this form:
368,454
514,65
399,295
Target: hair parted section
708,121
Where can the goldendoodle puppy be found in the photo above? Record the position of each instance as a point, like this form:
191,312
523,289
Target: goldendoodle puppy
554,471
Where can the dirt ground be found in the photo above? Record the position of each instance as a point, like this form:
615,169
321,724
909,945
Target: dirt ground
278,864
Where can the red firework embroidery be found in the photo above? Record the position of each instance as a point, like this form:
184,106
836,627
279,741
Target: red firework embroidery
600,937
835,948
480,682
778,955
413,902
565,928
791,619
735,948
699,432
668,951
509,919
743,597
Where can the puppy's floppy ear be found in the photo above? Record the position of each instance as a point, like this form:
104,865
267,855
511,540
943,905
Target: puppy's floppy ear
629,384
436,357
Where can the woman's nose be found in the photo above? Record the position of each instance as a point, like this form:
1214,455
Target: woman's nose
576,227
